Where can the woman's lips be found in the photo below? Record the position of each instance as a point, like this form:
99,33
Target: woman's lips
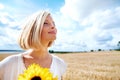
52,32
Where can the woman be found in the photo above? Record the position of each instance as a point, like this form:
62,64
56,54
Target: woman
39,32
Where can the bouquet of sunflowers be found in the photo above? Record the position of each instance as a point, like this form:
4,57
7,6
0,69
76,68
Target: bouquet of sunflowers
35,72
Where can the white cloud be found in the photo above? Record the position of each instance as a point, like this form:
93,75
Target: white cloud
1,6
100,22
9,31
80,9
82,24
8,20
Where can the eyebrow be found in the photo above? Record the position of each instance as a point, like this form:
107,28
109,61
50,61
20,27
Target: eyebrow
46,20
52,21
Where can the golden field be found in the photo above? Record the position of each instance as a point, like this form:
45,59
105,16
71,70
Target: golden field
90,66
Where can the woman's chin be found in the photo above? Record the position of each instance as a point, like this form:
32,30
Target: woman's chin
53,38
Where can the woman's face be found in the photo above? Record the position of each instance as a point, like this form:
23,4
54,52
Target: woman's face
49,30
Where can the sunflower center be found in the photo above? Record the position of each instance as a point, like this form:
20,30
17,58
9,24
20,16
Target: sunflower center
36,78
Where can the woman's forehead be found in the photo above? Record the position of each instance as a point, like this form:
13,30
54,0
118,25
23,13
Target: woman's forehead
49,18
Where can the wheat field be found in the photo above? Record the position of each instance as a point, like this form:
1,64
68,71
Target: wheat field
90,66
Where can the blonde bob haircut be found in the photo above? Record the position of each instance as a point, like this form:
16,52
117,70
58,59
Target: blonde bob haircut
30,37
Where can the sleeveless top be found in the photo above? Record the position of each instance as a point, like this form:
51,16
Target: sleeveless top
13,65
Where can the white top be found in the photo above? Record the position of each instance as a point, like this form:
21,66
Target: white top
13,65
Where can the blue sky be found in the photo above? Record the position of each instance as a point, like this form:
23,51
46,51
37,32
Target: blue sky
82,25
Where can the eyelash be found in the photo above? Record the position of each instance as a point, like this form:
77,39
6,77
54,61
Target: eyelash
48,23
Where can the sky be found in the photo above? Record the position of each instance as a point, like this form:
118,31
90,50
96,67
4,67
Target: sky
82,25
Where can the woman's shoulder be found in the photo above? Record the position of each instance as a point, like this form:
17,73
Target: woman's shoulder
59,62
7,62
9,59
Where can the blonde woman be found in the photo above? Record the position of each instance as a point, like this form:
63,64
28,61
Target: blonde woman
39,32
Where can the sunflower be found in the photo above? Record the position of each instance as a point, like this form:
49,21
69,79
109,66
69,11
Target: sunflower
35,72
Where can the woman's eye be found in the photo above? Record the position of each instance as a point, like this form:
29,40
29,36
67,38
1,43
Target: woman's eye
45,23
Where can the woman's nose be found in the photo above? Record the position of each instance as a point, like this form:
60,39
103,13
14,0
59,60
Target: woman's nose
52,25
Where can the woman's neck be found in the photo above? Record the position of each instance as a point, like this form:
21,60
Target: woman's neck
41,57
41,53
